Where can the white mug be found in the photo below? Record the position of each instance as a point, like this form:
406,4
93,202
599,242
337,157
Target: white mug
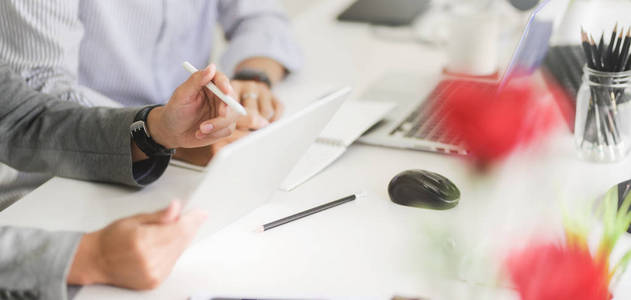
472,47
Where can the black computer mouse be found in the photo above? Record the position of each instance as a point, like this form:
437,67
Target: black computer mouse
423,189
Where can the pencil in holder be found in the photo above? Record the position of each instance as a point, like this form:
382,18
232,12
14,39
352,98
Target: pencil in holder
603,116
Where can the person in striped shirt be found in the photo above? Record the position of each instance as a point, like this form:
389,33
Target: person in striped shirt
128,53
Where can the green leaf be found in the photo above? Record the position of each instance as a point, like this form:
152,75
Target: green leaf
610,220
621,267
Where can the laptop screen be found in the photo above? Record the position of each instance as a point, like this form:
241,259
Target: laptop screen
532,47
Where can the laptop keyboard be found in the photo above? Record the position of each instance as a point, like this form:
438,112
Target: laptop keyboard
426,121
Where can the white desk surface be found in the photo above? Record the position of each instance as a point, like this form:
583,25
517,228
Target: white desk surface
367,248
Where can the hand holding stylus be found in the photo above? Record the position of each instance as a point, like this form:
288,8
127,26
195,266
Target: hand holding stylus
230,101
194,117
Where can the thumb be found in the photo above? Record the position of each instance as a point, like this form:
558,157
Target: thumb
195,218
167,215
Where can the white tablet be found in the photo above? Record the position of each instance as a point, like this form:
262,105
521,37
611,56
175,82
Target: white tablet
244,174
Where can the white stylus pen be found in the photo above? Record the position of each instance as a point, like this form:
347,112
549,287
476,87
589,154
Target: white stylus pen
234,104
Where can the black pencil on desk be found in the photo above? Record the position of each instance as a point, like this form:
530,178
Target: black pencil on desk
307,212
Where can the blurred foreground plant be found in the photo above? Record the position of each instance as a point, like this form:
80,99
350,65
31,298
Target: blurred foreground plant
492,120
570,270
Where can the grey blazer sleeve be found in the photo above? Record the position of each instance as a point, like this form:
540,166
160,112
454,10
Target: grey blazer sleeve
40,133
34,263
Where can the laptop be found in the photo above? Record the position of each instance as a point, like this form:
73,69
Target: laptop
386,13
245,174
416,123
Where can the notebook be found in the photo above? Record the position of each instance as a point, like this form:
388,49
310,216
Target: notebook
348,124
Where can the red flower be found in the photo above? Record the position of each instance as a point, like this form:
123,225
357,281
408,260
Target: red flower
492,124
553,272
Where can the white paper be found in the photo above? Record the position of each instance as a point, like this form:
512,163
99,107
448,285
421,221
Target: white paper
316,159
348,124
353,119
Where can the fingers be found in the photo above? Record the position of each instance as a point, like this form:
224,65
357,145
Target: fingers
192,220
205,76
223,83
211,131
252,121
250,100
139,252
164,244
191,87
260,103
190,224
222,133
167,215
279,109
266,107
172,212
214,125
180,233
223,110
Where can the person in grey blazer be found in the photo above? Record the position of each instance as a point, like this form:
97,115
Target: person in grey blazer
40,133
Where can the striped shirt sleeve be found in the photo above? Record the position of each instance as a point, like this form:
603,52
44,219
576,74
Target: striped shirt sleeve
257,28
40,40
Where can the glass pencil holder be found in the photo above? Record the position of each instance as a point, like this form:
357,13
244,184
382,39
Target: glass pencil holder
602,128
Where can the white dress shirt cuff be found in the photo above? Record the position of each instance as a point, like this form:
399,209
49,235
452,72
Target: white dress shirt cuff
263,37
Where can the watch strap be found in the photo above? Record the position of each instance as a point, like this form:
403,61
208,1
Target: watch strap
254,75
141,136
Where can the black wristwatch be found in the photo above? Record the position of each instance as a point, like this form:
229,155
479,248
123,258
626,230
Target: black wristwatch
251,74
140,135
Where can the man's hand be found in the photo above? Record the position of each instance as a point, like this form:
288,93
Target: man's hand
136,252
259,101
194,116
